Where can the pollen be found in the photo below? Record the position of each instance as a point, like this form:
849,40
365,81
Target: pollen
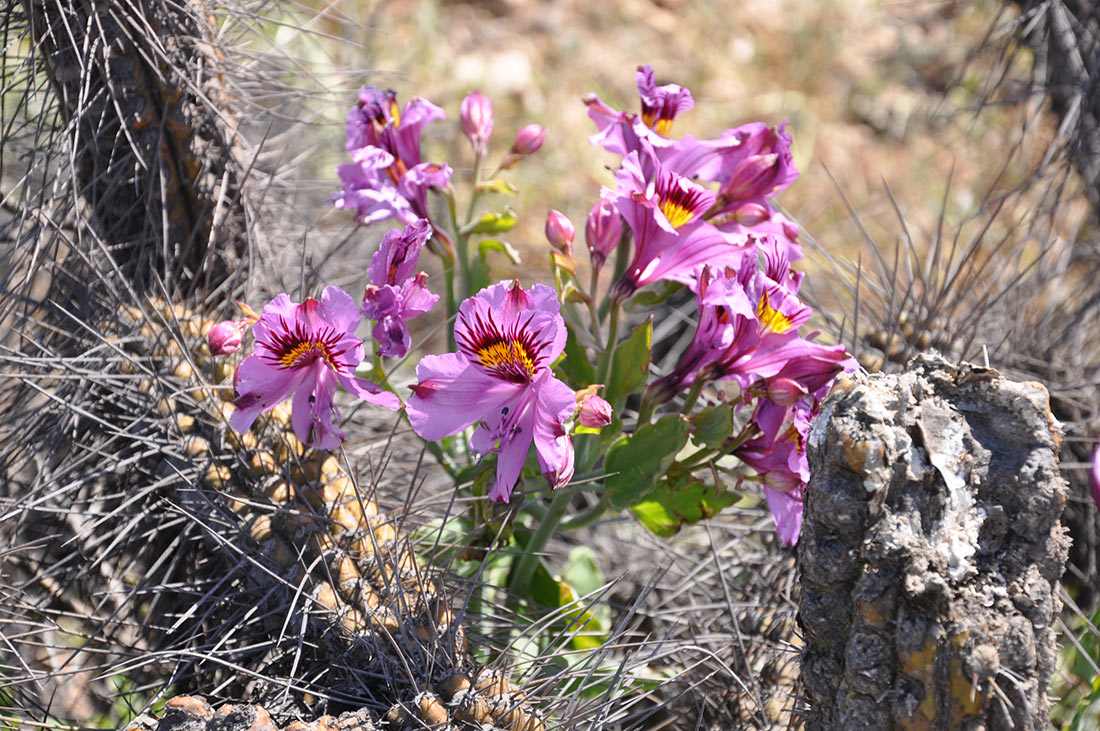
676,213
772,319
303,353
507,358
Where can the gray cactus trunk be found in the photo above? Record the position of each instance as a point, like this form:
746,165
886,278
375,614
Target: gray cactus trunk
156,157
931,552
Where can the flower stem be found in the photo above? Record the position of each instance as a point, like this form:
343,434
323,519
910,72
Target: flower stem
528,561
608,356
587,518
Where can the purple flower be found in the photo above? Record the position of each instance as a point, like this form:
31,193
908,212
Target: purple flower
387,178
305,350
476,116
761,165
778,455
529,140
560,232
602,231
748,332
500,379
396,292
670,236
593,411
225,337
661,104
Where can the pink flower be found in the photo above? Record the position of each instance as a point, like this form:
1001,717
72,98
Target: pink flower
602,231
500,379
476,116
529,140
778,454
396,292
593,411
661,104
305,350
671,239
225,337
560,232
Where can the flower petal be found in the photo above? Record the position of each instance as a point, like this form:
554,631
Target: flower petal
311,416
512,455
554,404
260,387
452,394
339,310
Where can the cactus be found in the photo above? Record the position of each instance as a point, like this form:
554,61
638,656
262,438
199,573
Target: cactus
932,552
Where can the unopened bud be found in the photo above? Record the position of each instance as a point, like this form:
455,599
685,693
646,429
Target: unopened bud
602,231
560,232
529,139
593,411
476,116
785,391
225,337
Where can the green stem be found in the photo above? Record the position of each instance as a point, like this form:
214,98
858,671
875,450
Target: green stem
693,394
593,312
528,561
645,411
586,518
608,356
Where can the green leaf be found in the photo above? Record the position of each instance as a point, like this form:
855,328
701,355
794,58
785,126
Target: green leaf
491,223
653,297
640,460
582,572
497,185
586,629
499,247
678,500
630,368
712,425
576,367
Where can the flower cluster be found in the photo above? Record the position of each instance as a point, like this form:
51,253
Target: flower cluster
387,177
700,212
397,292
678,222
697,212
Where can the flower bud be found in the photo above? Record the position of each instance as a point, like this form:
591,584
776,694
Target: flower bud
593,411
225,337
476,116
785,391
560,232
1094,477
529,139
763,166
602,231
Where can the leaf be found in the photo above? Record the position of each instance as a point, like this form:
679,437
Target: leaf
497,185
586,629
712,425
582,572
680,500
491,223
643,458
577,368
630,368
500,247
653,297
